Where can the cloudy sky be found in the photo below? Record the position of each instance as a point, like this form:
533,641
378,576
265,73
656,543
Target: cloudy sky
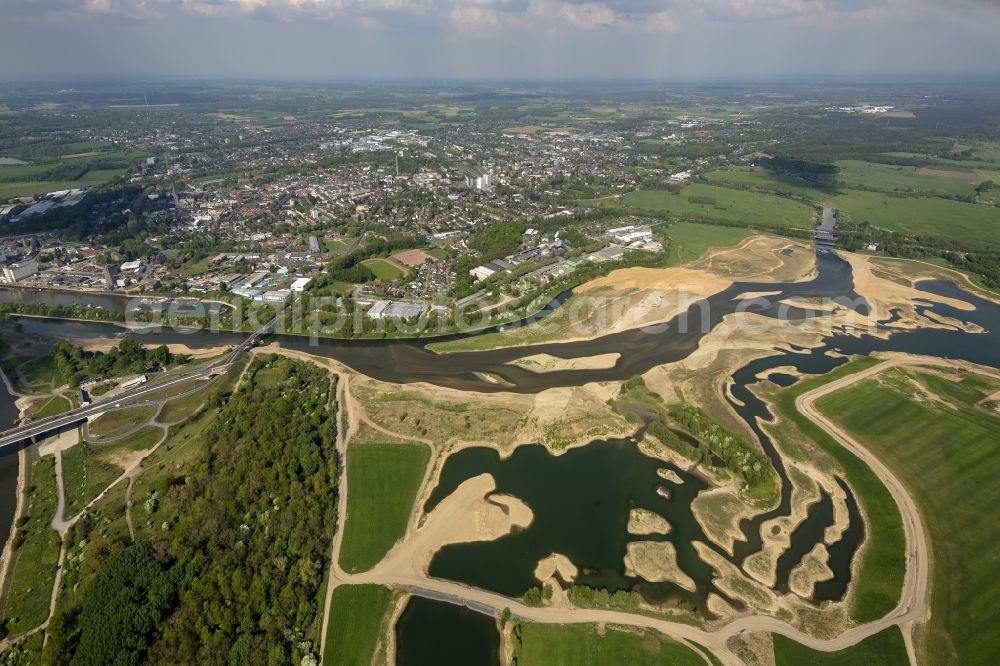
497,39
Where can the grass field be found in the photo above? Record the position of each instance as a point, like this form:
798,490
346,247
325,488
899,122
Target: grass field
51,406
338,246
882,649
382,482
384,269
85,475
34,564
689,241
880,576
581,645
890,178
357,619
179,409
946,452
140,441
8,190
120,421
970,224
729,204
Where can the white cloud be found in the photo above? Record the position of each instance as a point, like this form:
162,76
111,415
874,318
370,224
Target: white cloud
588,16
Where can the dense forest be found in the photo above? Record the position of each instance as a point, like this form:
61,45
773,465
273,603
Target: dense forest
236,578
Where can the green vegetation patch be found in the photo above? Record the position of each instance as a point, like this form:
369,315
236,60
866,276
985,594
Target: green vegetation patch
42,373
51,406
944,446
358,616
690,241
182,408
725,203
382,481
582,645
86,473
881,649
741,457
35,554
120,421
880,576
239,507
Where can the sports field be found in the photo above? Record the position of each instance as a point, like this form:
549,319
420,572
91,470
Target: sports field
384,269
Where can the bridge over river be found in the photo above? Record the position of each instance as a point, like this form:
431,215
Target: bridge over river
29,432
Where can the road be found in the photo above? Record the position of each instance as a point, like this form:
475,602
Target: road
15,436
913,607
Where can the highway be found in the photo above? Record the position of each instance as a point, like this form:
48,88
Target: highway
14,436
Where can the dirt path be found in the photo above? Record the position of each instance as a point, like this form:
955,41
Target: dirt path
128,508
8,551
344,431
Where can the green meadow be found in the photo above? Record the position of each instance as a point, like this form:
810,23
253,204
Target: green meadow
357,616
581,645
969,224
383,479
883,649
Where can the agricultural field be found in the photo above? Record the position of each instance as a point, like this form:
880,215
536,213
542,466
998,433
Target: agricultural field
23,188
891,178
724,203
357,621
969,224
383,479
941,438
582,645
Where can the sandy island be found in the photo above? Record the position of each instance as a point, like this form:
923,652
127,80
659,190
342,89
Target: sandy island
642,522
471,513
